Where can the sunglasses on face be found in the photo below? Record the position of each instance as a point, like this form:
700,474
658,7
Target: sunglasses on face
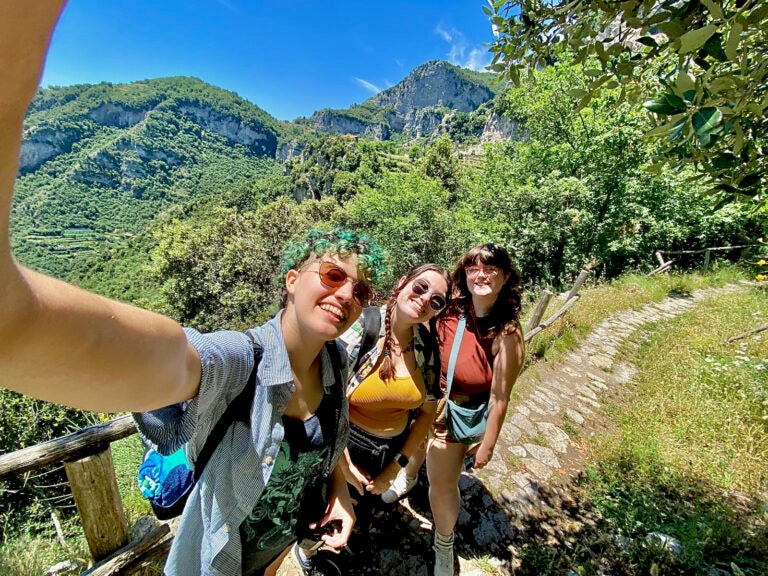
489,272
421,287
331,276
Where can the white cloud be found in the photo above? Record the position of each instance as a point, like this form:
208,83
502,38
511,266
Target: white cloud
367,85
460,52
443,33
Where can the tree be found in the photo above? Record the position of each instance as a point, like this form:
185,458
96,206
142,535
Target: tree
221,269
574,189
699,66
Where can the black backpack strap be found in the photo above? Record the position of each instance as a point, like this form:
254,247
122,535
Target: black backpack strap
431,353
339,385
239,410
371,328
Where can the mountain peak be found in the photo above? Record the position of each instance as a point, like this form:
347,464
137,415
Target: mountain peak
415,106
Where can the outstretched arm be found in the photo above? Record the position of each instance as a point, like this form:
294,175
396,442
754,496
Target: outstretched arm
57,342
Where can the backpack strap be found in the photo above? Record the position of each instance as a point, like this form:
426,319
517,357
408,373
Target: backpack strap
371,327
431,354
239,410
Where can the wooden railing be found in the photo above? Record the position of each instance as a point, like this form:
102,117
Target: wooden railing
665,265
87,459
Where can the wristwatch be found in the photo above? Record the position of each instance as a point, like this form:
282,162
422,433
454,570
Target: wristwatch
401,459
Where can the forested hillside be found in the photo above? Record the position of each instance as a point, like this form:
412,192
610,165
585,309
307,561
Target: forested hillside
100,162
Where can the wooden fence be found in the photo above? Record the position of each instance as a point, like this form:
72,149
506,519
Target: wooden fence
87,459
665,265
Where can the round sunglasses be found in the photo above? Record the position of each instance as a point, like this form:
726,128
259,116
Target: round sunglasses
421,287
331,276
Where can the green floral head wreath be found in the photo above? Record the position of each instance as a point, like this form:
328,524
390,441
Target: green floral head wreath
371,259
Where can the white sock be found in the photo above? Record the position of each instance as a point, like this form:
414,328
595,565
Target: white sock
443,541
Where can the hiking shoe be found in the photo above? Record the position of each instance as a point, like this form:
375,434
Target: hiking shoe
443,561
400,487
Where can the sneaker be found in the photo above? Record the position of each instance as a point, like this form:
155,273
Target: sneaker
443,561
400,487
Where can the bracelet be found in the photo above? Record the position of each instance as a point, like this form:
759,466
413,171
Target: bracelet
401,459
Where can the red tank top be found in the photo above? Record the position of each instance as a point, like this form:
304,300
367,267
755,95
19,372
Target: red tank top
474,365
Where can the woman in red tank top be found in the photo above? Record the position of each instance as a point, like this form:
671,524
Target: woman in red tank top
487,293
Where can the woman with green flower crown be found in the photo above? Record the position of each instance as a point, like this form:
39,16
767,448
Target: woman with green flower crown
69,346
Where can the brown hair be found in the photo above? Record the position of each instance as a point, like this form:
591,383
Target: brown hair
386,371
505,313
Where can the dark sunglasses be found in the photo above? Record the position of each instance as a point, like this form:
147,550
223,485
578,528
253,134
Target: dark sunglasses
421,287
331,276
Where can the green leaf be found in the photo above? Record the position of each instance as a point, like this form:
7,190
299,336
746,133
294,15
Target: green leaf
672,28
713,8
684,82
732,45
695,39
724,161
750,180
648,41
714,48
738,142
665,104
664,128
705,122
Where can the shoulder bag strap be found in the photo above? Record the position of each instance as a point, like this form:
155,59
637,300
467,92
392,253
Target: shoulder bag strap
239,410
454,353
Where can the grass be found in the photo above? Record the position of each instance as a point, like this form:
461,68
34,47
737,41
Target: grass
626,293
691,457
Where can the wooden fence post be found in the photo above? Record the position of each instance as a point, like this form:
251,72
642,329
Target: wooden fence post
541,307
576,285
707,253
94,486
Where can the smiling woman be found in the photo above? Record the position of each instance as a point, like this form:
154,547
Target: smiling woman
482,350
394,391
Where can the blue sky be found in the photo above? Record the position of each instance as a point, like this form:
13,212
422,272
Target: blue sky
289,58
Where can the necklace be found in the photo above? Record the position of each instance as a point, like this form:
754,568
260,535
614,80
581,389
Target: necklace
400,350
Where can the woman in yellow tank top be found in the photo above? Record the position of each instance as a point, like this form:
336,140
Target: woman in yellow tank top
394,391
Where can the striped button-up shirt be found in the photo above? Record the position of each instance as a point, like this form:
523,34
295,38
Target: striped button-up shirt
207,541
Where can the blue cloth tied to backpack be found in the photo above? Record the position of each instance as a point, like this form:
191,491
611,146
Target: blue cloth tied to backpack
164,479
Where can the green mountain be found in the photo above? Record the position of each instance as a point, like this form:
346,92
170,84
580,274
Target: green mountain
99,162
424,102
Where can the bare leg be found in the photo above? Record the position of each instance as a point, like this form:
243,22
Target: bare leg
444,464
416,460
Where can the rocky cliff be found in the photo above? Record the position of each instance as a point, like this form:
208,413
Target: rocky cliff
415,107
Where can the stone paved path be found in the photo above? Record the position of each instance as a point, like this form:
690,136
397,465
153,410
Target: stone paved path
555,406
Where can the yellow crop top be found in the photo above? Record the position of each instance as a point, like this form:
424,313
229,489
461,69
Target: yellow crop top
379,406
